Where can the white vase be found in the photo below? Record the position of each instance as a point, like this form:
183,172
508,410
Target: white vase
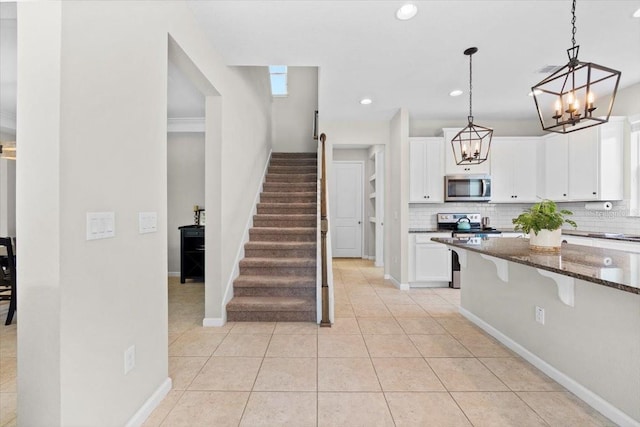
546,240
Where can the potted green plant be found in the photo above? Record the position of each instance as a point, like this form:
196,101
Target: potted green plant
542,222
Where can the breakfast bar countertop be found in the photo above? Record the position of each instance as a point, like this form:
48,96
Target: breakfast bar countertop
607,267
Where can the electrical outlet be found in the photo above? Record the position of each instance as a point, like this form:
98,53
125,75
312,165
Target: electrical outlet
540,315
129,359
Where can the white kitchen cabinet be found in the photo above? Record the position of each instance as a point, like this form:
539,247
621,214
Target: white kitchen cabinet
514,170
426,182
596,162
429,262
451,168
553,168
584,165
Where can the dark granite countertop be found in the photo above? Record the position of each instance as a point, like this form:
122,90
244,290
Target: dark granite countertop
634,238
435,230
607,267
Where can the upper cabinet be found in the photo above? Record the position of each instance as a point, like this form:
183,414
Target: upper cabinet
553,167
584,165
514,169
451,168
426,178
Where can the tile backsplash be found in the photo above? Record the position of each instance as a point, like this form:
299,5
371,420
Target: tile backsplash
617,220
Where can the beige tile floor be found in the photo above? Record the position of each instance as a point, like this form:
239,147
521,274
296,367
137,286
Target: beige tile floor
392,358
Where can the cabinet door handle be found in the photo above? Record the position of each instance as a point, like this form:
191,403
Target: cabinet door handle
564,194
359,222
594,193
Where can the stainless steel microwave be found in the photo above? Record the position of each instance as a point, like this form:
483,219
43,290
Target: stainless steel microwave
467,188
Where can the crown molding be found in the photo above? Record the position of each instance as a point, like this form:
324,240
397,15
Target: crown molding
185,124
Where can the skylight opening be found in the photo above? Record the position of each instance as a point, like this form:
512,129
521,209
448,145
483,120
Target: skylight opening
278,75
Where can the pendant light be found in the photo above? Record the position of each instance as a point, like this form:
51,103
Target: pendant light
576,96
471,145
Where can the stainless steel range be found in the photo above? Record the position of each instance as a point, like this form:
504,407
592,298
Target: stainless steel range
466,226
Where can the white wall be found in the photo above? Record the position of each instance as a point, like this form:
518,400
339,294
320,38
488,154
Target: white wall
356,132
349,136
185,179
7,197
360,155
7,191
627,101
92,105
397,198
433,127
293,114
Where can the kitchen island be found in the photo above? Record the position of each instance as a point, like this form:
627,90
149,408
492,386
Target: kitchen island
575,314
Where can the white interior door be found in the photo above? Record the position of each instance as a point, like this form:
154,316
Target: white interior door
346,209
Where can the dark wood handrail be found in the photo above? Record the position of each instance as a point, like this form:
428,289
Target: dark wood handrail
324,227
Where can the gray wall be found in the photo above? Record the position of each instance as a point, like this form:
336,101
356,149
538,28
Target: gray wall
595,342
293,114
185,182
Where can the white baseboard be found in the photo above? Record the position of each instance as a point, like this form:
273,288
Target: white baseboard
174,274
592,399
208,322
401,286
152,403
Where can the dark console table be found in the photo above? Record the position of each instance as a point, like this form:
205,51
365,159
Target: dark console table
191,252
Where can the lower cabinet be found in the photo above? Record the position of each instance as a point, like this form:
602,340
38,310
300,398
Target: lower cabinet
429,262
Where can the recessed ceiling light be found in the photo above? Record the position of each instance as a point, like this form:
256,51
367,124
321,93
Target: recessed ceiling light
407,12
456,92
365,101
535,92
636,14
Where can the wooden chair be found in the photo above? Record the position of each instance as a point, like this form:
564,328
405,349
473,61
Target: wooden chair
8,278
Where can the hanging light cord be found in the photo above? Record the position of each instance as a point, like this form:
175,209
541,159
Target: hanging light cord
573,23
470,90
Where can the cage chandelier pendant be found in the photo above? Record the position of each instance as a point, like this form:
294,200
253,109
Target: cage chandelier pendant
577,96
471,145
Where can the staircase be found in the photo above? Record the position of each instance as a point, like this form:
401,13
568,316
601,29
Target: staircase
277,280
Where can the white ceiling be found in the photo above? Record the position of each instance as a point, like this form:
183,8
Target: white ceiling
364,51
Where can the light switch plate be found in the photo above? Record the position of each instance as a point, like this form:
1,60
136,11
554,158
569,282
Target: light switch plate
101,225
147,222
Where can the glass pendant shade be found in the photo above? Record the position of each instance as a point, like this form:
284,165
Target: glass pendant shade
471,145
578,96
